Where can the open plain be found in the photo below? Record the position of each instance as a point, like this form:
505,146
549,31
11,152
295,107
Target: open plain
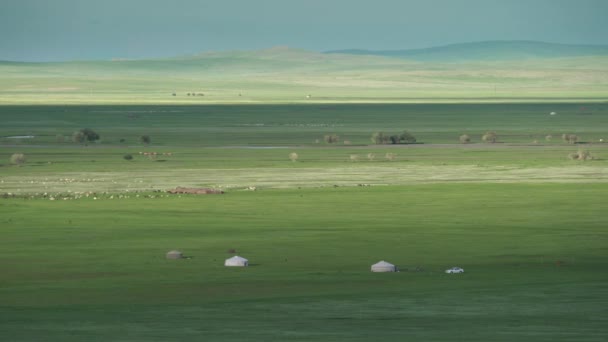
84,230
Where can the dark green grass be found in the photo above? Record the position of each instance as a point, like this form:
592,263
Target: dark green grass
534,257
302,124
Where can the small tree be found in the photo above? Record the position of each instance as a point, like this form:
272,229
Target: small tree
394,139
127,157
490,137
293,157
18,159
354,157
407,138
85,135
371,156
390,156
465,139
145,139
331,138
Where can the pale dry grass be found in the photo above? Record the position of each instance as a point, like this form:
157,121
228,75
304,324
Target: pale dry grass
351,175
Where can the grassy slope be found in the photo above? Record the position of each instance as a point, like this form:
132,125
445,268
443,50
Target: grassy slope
286,76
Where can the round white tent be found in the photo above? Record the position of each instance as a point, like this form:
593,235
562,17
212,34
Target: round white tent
384,266
174,255
236,261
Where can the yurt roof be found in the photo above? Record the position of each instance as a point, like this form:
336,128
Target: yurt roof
237,258
174,253
383,264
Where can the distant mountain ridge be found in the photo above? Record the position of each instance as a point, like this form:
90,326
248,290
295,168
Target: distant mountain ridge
487,51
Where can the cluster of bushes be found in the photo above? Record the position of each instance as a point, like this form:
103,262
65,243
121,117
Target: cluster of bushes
570,138
85,135
380,138
331,138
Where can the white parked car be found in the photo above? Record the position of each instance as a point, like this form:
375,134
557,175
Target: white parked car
454,270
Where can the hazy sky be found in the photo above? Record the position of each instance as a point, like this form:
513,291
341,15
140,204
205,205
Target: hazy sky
49,30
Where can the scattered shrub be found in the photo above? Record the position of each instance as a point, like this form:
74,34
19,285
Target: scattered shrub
490,137
390,156
354,157
581,155
331,138
18,159
548,137
465,139
78,137
371,156
379,138
85,135
59,138
145,139
570,138
127,157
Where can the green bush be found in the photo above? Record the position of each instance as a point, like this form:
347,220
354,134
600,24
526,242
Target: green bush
85,135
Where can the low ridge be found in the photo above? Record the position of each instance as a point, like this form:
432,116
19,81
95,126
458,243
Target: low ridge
488,50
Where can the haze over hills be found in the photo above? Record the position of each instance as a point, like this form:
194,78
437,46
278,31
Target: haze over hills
489,50
514,71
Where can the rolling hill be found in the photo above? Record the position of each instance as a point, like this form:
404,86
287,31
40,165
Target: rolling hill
489,50
286,75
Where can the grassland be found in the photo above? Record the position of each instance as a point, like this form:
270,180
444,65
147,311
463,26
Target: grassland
243,146
283,75
526,223
87,270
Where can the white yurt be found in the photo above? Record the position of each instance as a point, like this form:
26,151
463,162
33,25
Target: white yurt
384,266
237,261
174,255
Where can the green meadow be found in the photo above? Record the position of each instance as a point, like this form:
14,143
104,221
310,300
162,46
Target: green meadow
286,76
84,231
534,257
